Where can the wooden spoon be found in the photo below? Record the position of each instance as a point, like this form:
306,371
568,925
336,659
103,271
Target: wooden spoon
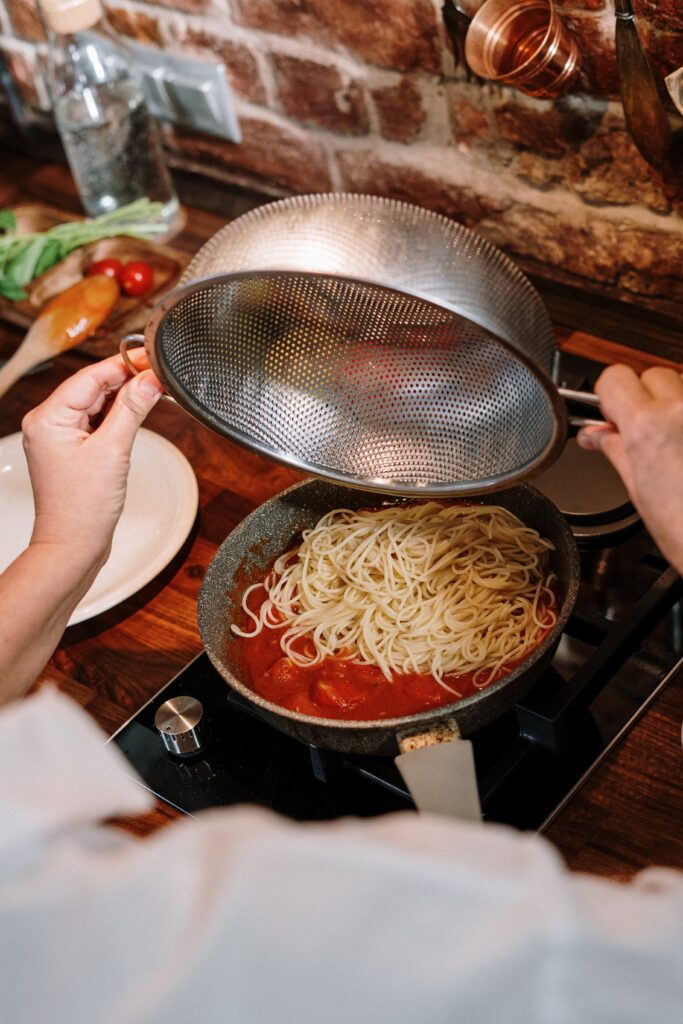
64,322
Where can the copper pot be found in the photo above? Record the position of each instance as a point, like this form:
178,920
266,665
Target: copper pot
525,44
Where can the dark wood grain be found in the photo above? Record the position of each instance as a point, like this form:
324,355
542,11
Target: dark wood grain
629,815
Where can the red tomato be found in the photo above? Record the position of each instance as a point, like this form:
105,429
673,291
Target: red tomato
110,268
136,278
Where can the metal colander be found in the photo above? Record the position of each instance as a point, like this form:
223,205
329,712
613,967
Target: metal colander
367,341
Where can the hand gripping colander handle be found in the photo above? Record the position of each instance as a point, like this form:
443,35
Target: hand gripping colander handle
137,340
585,398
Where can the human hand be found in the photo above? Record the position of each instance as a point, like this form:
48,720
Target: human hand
644,442
79,471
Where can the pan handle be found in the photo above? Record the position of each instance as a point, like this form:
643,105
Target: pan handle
585,398
438,768
137,340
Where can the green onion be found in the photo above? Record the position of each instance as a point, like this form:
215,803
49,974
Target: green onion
25,257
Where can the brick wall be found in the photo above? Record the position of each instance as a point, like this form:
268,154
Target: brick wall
365,95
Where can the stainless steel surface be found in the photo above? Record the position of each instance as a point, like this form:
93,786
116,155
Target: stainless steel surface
585,398
367,341
388,243
590,493
248,552
188,91
136,341
180,723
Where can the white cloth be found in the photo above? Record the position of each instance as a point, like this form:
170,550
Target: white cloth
243,918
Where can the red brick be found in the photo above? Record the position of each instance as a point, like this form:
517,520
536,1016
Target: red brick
598,73
362,171
189,6
595,171
240,63
397,34
26,20
400,109
269,153
666,53
587,251
636,263
316,94
551,129
468,115
661,13
562,6
135,24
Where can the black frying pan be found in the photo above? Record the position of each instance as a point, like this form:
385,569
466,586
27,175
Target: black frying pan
248,552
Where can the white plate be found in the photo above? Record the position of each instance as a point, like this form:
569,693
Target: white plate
161,504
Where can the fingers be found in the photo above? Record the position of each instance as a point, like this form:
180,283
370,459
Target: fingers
80,392
609,442
132,404
621,393
79,397
83,395
637,408
663,384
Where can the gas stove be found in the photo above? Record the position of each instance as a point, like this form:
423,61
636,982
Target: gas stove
623,638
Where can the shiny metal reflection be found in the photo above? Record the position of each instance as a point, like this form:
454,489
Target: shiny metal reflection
180,723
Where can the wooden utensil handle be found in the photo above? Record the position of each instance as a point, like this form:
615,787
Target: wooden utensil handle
643,108
15,367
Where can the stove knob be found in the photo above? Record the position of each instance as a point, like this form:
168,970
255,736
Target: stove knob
180,723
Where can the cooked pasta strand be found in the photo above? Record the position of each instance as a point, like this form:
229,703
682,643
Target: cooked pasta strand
435,589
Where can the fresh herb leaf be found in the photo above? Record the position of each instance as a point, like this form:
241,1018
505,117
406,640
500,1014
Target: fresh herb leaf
9,289
8,222
21,268
52,253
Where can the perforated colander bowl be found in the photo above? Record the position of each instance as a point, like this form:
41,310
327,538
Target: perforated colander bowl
367,341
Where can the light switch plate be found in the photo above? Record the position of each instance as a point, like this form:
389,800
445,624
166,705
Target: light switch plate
192,93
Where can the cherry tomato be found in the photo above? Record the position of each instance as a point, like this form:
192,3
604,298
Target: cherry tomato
108,267
136,278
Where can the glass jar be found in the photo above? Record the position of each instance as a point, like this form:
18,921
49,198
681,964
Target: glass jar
111,141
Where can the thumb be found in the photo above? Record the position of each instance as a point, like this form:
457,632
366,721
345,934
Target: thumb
608,440
132,404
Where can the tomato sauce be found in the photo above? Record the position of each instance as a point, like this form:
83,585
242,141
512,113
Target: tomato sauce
342,689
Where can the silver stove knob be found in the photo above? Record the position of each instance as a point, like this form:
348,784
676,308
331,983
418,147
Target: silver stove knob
180,723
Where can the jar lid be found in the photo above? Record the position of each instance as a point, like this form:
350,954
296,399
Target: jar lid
67,16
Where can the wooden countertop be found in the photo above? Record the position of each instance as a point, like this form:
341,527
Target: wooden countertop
627,816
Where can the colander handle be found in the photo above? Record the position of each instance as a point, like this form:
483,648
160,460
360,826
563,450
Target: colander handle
137,340
585,398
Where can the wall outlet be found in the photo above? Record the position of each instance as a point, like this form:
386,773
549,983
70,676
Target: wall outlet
192,93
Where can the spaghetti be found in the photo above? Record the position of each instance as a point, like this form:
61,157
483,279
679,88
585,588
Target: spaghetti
439,590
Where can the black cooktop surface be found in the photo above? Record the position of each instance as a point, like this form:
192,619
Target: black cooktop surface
623,638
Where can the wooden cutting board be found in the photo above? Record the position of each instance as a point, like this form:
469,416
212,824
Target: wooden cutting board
129,315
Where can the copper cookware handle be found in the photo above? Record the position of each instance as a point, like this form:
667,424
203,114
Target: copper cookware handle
137,340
